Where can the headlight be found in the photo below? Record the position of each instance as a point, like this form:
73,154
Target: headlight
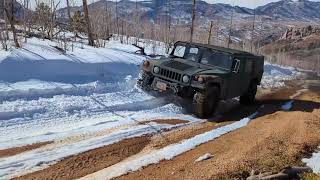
185,79
156,70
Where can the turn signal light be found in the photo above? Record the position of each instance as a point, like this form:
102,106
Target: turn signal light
146,63
199,78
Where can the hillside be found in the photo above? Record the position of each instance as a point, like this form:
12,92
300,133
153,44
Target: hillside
302,10
299,47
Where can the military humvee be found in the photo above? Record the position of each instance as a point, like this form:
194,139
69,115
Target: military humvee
205,74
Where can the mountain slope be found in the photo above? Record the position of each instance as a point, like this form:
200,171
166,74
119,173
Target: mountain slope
300,10
289,9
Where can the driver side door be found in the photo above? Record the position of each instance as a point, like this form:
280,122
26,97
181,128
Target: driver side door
236,79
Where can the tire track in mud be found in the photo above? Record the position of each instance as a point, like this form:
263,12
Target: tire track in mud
94,160
18,150
91,161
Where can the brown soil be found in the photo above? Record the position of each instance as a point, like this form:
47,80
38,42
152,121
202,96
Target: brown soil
95,160
175,136
18,150
269,143
91,161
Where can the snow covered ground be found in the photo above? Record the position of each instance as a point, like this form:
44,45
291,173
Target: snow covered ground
275,75
81,100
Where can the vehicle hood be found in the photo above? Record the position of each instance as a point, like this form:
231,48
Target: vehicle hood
190,68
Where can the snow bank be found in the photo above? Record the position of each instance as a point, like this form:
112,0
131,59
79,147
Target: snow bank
167,152
275,75
313,162
40,60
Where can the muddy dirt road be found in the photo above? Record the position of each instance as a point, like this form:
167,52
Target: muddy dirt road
274,139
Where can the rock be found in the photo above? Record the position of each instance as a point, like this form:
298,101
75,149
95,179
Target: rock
204,157
299,32
286,174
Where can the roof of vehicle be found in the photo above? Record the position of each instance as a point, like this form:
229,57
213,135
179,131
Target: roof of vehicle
222,49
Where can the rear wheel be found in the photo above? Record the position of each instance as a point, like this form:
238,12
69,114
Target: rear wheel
249,97
205,103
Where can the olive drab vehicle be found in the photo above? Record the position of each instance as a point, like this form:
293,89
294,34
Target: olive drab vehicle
204,73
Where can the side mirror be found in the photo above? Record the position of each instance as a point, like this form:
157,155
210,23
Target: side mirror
236,66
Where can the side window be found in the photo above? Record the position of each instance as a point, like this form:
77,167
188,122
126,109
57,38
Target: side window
194,50
248,68
179,51
236,65
193,54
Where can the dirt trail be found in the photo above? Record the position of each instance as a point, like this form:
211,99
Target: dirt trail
269,143
18,150
276,138
91,161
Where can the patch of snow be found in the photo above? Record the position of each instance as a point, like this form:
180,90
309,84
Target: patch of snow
166,153
4,54
313,162
287,106
204,157
275,75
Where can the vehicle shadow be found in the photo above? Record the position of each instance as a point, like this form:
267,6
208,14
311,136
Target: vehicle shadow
233,111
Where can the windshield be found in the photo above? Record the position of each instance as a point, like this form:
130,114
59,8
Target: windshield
191,53
217,59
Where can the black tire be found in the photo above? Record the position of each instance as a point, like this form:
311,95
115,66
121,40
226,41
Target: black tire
145,81
249,97
205,103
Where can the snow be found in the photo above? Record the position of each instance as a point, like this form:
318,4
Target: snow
275,75
287,106
84,99
204,157
313,162
166,153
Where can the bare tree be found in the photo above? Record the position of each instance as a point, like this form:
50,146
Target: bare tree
9,9
253,28
117,18
210,32
68,9
230,27
86,16
192,20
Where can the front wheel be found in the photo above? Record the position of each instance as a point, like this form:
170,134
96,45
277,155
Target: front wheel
249,97
205,103
145,81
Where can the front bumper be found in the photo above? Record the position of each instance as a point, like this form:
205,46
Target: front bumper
170,86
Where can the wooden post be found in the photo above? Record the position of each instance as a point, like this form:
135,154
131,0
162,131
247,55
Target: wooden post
210,31
192,21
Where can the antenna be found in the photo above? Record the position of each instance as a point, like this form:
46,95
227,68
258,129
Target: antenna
231,21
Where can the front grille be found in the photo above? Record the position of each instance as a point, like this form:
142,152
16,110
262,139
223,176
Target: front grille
170,74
